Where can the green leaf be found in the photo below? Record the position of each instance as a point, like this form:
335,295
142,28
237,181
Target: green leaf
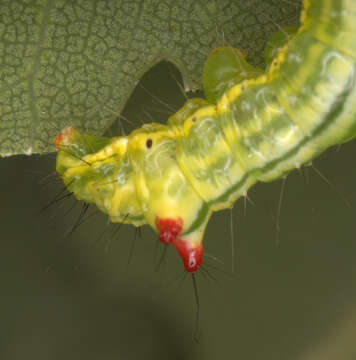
66,62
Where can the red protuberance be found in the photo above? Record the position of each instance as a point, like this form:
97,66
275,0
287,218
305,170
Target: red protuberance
191,255
169,229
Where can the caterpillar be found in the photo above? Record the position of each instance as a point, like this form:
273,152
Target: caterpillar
253,126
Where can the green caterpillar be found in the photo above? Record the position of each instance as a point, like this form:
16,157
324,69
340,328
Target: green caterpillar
253,126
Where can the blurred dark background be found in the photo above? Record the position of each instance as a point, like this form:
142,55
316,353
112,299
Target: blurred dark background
85,297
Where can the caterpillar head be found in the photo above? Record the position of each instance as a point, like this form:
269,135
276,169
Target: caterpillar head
97,170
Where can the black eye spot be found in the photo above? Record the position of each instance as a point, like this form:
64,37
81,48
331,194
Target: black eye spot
194,119
149,143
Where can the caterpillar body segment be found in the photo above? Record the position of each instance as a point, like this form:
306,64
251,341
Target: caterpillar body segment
251,128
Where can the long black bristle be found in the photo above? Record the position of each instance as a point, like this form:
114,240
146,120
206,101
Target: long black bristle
133,245
56,199
197,319
162,257
83,211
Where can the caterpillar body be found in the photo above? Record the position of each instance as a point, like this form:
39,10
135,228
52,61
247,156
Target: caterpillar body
253,126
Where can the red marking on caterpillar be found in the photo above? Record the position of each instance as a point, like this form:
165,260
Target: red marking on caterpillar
168,229
63,137
191,255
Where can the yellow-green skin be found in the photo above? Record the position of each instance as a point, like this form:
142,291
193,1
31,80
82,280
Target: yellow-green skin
211,153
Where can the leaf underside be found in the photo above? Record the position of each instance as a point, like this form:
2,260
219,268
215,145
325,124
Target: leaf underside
77,62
